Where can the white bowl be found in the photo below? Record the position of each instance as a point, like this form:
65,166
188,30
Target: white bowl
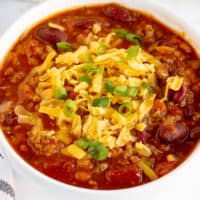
64,191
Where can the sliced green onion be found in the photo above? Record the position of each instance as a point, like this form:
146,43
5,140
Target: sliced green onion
120,90
85,78
83,143
100,102
70,108
147,86
92,68
136,39
98,151
88,58
109,86
125,108
95,70
64,46
60,93
102,48
131,37
132,52
87,66
121,32
132,91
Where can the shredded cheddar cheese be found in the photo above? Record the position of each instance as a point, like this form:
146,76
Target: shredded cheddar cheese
107,123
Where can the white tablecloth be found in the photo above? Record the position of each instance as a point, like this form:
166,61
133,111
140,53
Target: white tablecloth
184,189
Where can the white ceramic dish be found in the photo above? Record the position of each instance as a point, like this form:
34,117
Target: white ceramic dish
64,190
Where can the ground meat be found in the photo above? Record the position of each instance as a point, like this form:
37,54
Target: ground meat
164,50
25,93
9,119
9,71
129,150
163,72
116,152
33,80
149,36
103,166
17,77
159,108
164,167
189,99
44,144
35,52
84,164
82,176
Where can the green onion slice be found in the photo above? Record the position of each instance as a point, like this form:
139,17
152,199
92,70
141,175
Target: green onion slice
98,151
132,52
136,39
70,108
60,93
92,68
64,46
85,78
109,86
132,91
102,48
100,102
83,143
125,108
88,58
95,70
120,90
148,87
87,66
131,37
121,32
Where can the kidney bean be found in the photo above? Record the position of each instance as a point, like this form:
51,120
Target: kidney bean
195,132
118,13
172,132
189,111
179,95
51,35
127,175
159,107
85,23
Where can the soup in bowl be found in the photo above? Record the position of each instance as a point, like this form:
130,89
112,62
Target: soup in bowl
101,97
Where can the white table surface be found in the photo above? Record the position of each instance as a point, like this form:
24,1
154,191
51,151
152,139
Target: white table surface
185,188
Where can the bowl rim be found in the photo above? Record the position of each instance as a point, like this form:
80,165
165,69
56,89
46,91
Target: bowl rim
27,169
